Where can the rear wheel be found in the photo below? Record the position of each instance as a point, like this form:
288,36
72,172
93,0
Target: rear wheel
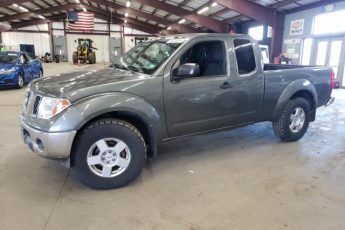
109,154
40,74
20,81
294,121
75,58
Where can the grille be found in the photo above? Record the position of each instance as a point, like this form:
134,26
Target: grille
31,104
26,100
36,105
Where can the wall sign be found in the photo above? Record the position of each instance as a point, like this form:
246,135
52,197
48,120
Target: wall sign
327,8
292,41
297,27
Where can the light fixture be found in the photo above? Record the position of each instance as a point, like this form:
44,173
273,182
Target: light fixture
41,17
169,28
126,14
203,10
84,9
214,4
182,21
77,1
125,21
23,9
20,7
128,3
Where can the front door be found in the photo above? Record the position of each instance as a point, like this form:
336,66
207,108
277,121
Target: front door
210,101
27,68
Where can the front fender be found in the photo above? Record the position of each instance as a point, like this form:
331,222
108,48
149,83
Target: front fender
293,88
91,107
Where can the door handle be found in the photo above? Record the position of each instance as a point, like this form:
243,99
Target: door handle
226,85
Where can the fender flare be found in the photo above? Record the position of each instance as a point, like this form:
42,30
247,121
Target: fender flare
300,85
88,109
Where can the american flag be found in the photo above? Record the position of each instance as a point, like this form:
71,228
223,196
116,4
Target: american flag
83,21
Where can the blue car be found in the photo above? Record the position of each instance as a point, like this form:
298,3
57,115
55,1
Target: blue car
18,68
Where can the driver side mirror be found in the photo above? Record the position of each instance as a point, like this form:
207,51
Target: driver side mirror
22,60
186,71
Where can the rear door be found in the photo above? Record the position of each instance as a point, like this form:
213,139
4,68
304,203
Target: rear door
247,79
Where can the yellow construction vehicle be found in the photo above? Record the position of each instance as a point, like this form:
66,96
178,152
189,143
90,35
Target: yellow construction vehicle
85,52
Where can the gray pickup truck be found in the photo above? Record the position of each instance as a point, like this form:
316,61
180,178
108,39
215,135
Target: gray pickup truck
104,123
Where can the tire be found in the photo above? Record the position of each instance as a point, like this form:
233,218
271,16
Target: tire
94,57
75,58
90,161
285,128
40,74
20,81
90,58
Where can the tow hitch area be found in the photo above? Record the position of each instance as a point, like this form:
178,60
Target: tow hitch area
330,101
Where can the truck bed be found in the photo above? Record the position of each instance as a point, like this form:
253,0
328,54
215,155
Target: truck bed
268,67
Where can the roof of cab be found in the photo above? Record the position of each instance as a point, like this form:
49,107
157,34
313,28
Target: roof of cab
195,35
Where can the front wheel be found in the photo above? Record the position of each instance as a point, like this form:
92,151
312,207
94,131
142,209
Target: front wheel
294,121
109,154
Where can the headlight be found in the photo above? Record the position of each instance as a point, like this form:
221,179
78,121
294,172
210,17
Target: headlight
7,71
49,107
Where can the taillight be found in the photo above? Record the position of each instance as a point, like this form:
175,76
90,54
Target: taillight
332,80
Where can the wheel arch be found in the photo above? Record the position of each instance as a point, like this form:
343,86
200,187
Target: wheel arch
134,110
134,119
299,88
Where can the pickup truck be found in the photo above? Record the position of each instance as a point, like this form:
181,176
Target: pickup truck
105,123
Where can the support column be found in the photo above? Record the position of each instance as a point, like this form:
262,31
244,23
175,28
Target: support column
51,40
123,39
277,36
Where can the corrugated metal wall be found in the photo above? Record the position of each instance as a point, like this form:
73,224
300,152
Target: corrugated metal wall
39,40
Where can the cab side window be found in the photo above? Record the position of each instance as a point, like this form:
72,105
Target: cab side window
31,56
245,56
28,57
210,56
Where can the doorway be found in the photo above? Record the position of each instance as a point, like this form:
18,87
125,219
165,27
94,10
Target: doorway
329,52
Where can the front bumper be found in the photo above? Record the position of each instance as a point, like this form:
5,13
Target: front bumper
56,145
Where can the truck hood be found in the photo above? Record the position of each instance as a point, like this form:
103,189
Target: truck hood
80,84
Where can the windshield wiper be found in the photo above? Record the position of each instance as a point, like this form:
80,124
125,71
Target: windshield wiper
133,68
118,66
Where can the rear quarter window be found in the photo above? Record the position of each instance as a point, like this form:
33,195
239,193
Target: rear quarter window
245,56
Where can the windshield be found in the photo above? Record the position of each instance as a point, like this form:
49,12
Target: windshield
8,58
146,57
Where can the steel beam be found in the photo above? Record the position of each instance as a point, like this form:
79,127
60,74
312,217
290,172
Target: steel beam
166,22
37,12
263,14
205,21
283,3
38,21
121,18
5,3
251,10
313,5
72,6
63,16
